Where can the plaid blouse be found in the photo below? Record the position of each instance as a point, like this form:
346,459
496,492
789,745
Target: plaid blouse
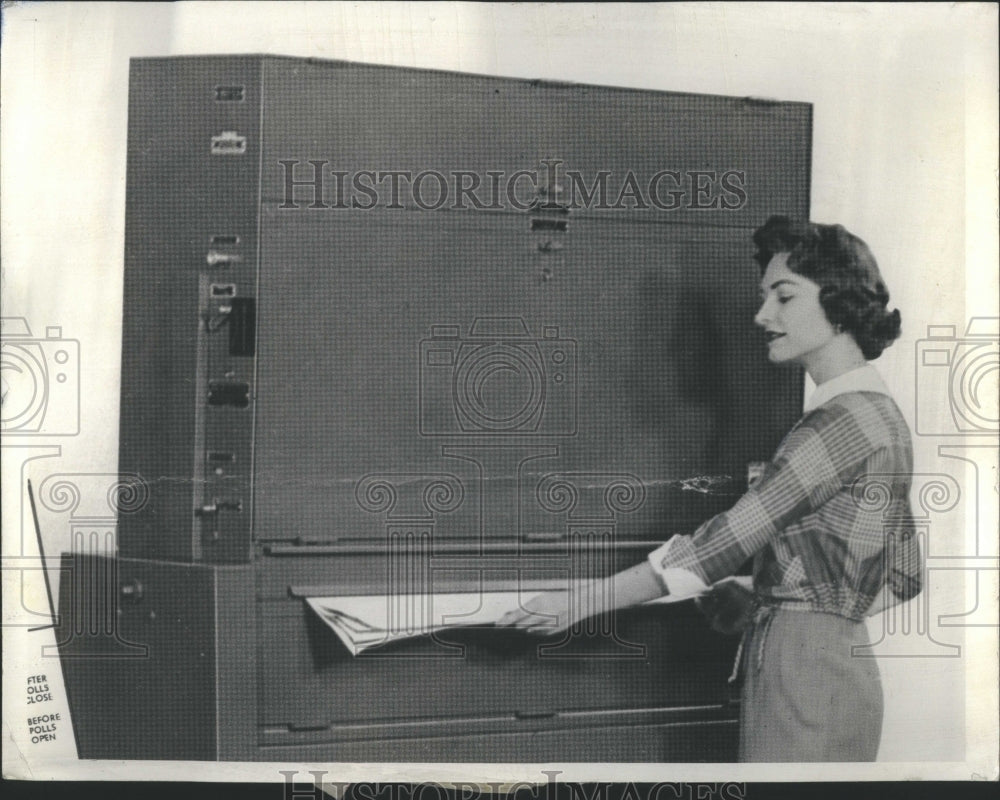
829,521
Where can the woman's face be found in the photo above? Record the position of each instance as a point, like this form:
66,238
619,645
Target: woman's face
793,320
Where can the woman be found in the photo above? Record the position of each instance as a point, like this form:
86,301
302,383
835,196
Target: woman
824,555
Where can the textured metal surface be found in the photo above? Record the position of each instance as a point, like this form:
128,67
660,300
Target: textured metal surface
663,378
668,378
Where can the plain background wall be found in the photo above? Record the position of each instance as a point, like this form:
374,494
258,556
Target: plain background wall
904,155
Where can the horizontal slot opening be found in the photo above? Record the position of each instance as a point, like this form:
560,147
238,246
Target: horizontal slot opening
229,94
225,240
223,290
217,259
235,394
558,225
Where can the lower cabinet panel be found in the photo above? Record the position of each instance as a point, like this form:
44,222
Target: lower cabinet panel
187,665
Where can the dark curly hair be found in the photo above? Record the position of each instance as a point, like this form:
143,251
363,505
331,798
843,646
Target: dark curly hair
852,292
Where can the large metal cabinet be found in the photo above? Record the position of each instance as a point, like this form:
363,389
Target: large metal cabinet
533,363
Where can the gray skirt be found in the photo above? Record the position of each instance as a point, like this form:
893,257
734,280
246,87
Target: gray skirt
805,697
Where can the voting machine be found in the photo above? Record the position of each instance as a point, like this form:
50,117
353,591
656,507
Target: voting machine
394,332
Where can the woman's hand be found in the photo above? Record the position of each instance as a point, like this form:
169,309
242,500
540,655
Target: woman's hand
728,605
553,612
544,614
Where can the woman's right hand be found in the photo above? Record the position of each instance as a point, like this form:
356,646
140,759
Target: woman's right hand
549,613
728,605
544,614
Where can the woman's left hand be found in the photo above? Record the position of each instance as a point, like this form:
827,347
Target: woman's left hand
728,605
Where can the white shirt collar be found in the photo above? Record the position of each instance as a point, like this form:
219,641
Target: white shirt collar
861,379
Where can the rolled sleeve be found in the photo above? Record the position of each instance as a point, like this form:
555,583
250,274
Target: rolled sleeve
678,581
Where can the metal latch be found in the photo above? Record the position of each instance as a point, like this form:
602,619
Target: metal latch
217,506
229,143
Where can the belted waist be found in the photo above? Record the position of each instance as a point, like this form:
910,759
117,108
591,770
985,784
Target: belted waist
761,616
